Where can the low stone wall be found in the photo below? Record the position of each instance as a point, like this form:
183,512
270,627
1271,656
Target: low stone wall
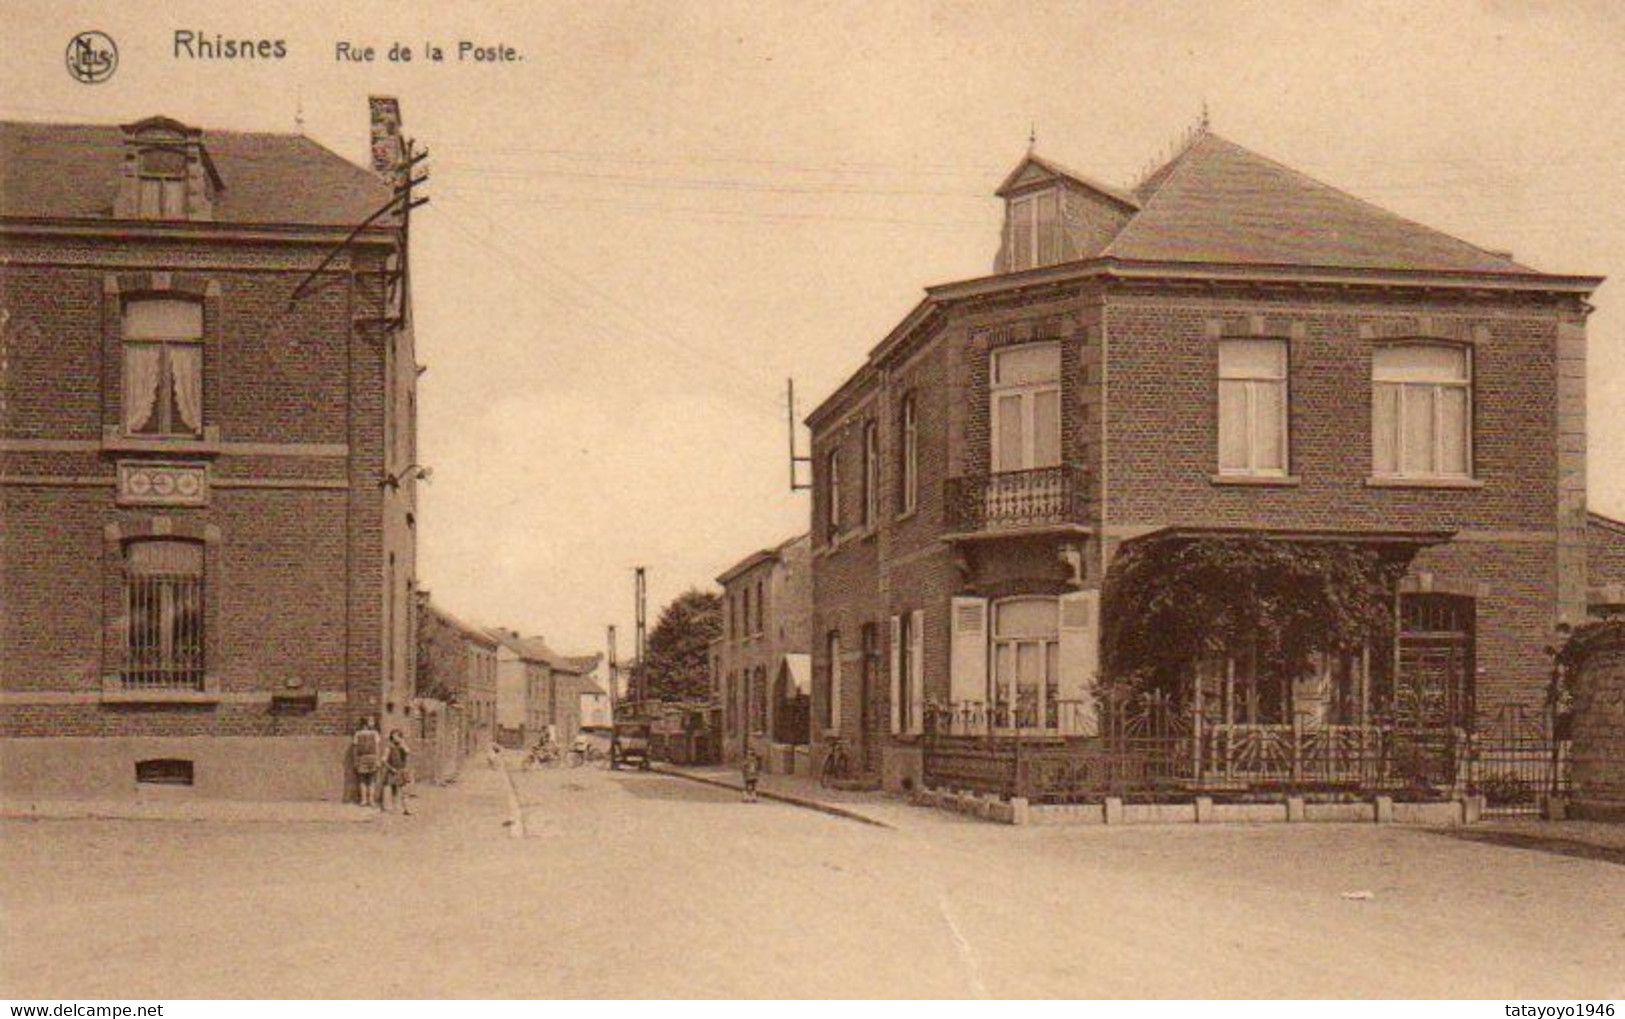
1381,810
1598,775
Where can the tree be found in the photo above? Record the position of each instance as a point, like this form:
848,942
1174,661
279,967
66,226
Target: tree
1171,603
676,661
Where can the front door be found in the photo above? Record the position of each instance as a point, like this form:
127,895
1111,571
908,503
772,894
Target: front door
1435,684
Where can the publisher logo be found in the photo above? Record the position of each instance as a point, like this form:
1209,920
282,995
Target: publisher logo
92,57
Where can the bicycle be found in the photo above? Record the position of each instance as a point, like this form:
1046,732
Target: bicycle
837,765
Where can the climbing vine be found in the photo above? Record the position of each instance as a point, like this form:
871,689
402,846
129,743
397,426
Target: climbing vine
1172,602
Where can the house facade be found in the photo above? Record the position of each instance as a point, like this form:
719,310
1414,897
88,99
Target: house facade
758,662
1229,348
207,461
539,691
457,667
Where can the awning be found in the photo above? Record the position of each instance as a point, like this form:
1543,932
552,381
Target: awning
799,668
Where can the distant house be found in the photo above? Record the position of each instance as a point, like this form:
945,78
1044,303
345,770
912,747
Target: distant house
457,667
758,660
538,689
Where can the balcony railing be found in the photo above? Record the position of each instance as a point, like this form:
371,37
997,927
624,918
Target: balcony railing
1015,499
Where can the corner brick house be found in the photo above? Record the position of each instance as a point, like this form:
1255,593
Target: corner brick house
1227,348
759,661
207,545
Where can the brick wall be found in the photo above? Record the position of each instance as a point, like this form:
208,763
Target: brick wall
294,409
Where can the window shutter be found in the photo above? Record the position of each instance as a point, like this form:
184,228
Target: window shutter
1080,661
894,647
968,651
916,669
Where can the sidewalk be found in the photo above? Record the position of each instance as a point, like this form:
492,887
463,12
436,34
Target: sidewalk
1592,840
875,808
177,809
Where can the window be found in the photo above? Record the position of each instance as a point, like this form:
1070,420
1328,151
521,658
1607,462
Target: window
905,672
1421,411
759,623
1026,661
832,494
744,612
871,474
163,367
1034,225
1252,407
1026,397
164,601
161,184
758,700
830,703
909,476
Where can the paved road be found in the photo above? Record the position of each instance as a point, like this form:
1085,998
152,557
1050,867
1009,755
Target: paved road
634,885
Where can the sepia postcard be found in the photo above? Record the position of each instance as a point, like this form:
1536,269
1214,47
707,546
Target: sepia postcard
634,500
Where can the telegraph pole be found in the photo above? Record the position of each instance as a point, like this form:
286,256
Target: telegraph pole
643,625
614,674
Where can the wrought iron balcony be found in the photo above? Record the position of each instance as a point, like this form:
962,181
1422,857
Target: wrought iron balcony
1012,500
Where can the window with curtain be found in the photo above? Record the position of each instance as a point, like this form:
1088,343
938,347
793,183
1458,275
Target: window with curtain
871,474
163,367
1035,230
1421,411
1026,661
909,472
1253,407
1026,406
164,602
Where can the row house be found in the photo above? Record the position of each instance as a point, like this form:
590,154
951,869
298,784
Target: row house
1227,348
457,669
207,459
759,661
539,691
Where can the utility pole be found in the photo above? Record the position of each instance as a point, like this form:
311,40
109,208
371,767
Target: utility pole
643,624
796,459
614,670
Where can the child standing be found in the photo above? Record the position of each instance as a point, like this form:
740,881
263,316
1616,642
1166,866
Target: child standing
364,750
751,770
397,771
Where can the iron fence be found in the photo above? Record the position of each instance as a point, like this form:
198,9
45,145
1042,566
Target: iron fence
1151,748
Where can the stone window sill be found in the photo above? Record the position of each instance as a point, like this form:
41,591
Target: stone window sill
1396,482
119,695
1258,480
116,441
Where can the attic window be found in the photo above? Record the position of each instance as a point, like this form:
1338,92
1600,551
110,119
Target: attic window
1033,228
161,180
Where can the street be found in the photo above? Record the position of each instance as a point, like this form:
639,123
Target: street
630,884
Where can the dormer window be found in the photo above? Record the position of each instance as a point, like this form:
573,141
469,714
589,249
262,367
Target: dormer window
167,173
161,184
1034,226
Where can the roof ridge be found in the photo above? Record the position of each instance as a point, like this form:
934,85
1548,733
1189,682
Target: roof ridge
1173,166
1373,206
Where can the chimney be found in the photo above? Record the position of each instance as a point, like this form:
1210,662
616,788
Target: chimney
385,116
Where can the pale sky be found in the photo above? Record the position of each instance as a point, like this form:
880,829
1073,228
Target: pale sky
642,228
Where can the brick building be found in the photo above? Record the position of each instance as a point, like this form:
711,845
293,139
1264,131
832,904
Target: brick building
457,666
1228,347
758,662
206,473
539,691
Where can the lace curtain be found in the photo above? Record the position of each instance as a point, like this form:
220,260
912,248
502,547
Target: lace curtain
142,368
186,371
